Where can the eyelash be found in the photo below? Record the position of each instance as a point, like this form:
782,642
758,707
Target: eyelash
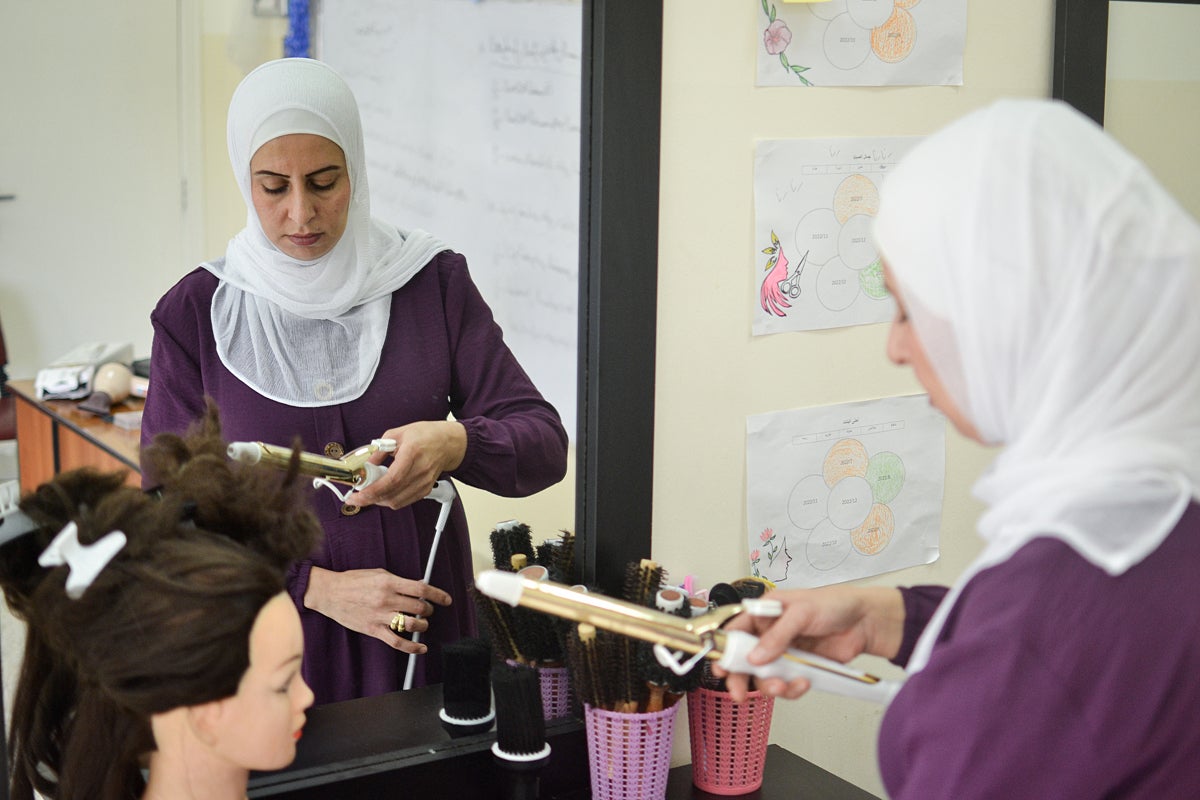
315,186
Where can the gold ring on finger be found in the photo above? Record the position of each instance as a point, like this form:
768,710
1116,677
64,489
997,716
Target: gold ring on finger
399,622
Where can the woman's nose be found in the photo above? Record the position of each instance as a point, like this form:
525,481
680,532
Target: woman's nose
301,207
897,351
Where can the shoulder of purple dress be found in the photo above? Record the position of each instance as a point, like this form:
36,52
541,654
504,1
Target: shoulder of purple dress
450,265
192,290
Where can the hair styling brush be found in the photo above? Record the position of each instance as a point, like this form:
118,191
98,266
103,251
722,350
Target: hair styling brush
509,539
497,620
643,581
520,747
558,556
466,687
664,684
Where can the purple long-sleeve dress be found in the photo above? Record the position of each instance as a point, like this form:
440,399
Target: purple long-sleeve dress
443,354
1053,679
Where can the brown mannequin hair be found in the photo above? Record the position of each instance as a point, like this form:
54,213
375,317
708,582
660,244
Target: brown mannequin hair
165,624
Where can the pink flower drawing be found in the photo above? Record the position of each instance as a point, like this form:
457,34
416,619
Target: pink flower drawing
777,37
766,535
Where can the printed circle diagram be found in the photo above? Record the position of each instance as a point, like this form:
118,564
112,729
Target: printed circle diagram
846,508
839,248
857,29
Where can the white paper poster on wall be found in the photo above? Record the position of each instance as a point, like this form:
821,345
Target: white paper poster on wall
814,262
860,42
847,491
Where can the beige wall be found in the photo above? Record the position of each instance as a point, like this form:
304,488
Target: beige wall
712,374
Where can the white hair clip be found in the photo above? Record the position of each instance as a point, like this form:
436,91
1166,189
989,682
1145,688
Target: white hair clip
84,561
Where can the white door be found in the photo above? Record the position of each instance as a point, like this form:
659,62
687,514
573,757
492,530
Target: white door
95,141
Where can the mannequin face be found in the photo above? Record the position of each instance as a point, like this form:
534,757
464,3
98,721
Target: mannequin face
301,192
258,727
904,348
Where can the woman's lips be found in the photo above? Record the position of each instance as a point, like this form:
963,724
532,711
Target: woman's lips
299,732
304,240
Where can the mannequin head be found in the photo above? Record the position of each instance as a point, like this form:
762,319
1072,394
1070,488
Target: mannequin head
168,624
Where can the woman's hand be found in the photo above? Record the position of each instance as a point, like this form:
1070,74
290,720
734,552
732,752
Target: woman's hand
366,600
838,622
424,450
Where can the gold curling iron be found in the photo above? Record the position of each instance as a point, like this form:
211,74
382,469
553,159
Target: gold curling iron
674,637
352,469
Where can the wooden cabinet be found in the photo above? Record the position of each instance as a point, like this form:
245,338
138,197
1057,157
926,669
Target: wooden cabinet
55,436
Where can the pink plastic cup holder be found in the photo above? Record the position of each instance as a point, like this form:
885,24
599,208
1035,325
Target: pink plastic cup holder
556,692
729,740
557,699
629,754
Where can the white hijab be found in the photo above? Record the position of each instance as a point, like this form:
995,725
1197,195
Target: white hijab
307,333
1056,289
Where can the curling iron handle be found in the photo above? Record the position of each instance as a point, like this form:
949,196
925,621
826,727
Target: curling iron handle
371,473
738,644
246,452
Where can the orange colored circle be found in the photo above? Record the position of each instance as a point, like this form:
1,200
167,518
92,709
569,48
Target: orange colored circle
875,532
855,195
845,459
893,40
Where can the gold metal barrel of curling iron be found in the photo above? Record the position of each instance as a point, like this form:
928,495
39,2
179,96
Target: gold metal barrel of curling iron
701,634
350,469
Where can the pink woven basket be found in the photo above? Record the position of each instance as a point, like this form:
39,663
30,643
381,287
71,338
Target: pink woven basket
629,754
556,692
729,740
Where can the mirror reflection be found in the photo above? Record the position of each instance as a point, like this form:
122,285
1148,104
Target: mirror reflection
326,324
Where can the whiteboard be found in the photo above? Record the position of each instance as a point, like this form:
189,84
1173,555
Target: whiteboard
471,123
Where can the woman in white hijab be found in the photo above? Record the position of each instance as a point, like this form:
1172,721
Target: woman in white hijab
1049,301
325,324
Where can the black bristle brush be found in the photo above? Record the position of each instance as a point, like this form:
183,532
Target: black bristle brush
750,588
579,663
466,687
558,556
520,749
508,539
643,580
720,594
536,634
664,686
497,619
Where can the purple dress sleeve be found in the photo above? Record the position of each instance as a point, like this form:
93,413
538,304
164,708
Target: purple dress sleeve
443,354
1052,678
919,604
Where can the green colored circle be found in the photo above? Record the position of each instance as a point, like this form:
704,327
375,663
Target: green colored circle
885,473
870,278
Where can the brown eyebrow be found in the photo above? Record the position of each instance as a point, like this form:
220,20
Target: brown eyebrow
268,173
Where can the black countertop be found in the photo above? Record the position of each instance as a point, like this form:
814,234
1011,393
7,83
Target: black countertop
395,746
